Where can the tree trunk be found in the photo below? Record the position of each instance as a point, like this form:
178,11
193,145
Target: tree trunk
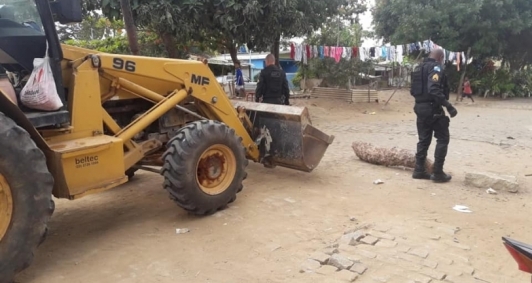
169,45
233,52
275,49
461,82
389,157
130,27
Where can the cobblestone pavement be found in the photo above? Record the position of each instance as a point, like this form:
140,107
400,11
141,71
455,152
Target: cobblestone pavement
419,252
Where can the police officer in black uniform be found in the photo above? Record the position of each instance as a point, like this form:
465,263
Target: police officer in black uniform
431,91
272,86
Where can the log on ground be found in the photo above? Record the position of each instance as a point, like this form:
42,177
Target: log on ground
389,157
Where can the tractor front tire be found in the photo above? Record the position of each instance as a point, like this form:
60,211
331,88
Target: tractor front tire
26,202
204,166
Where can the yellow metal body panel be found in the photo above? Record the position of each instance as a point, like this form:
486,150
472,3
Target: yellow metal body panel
91,164
163,76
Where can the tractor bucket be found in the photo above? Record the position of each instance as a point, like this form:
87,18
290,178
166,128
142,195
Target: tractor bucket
294,142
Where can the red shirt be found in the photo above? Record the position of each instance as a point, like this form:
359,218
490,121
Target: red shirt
467,88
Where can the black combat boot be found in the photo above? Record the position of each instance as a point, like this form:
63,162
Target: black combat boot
420,172
438,176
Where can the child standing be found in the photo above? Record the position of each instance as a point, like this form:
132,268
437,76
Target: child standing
467,90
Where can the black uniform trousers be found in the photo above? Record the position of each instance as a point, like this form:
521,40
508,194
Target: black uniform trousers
432,120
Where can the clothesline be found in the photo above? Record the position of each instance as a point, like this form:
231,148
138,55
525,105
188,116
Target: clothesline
395,53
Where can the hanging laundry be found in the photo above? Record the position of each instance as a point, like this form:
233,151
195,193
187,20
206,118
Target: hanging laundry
355,52
362,53
320,51
393,55
426,46
458,58
308,51
344,52
298,53
326,51
372,52
292,51
338,54
315,53
304,51
348,51
399,51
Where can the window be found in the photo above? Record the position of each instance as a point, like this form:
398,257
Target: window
21,11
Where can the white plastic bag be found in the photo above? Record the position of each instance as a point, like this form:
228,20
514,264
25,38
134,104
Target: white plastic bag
40,92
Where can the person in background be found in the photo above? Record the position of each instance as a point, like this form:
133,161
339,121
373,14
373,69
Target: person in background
467,90
272,87
239,84
429,88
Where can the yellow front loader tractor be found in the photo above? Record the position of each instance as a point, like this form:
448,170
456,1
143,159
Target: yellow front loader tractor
121,114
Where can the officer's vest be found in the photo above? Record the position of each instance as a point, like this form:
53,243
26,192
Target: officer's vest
419,76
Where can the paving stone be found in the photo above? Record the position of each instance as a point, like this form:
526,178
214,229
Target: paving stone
450,270
326,270
340,261
458,245
386,244
366,254
346,276
358,268
398,231
408,265
409,257
490,180
435,237
369,240
441,259
490,278
403,248
394,261
330,251
449,230
352,238
430,263
353,257
381,228
419,252
381,235
461,279
432,273
457,257
381,278
320,257
309,265
469,270
418,278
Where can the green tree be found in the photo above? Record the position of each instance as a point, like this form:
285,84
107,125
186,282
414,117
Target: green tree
336,32
93,26
285,19
489,27
226,24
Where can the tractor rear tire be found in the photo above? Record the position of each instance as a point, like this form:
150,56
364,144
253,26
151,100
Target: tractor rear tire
26,202
204,166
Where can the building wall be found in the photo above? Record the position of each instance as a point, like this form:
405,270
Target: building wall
289,66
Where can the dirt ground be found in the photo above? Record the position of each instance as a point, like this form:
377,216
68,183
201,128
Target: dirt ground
128,234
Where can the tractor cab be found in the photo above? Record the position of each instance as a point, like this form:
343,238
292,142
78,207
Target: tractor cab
26,26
